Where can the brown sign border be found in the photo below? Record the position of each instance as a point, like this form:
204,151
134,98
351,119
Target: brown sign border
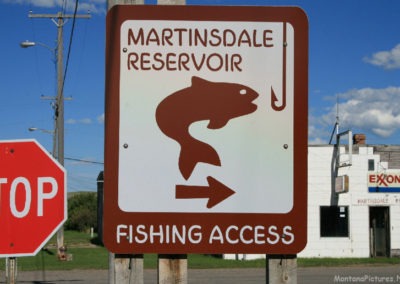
113,215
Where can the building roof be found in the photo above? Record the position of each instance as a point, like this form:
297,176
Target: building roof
388,153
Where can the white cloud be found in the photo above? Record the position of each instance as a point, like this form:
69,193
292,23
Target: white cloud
35,3
382,132
386,59
93,6
100,118
375,111
78,121
71,121
317,141
314,134
85,121
319,130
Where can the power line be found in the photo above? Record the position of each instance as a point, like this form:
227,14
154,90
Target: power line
84,161
70,44
64,6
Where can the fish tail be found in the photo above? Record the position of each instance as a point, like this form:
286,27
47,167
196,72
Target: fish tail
196,152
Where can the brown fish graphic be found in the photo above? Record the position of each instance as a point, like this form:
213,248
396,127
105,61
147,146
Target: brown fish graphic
217,102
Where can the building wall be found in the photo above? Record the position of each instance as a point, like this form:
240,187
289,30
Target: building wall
395,229
321,192
358,200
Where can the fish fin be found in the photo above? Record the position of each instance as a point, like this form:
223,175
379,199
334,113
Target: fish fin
217,123
196,152
197,81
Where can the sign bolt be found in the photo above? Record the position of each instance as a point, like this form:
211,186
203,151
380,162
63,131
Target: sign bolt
285,146
125,145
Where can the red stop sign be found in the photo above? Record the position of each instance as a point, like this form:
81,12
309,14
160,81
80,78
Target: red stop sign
33,203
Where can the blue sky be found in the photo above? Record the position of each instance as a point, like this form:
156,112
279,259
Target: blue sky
354,58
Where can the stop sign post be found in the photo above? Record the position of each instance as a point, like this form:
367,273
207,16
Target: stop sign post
33,203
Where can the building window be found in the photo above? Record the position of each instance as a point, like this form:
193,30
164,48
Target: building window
334,221
371,165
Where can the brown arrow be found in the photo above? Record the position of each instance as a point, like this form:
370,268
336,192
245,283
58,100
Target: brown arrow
216,192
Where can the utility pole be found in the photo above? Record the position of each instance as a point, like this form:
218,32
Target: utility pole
59,20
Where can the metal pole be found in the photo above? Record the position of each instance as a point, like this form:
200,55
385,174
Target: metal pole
11,270
60,119
60,95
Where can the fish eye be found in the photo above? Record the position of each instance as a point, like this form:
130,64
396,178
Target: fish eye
243,92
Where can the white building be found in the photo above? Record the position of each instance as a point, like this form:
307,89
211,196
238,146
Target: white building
363,220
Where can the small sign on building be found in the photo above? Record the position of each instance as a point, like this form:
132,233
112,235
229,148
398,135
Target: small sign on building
342,184
387,182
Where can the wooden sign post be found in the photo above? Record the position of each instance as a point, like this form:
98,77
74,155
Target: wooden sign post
172,268
125,268
129,268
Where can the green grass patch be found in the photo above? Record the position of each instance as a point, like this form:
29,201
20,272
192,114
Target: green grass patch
87,255
72,238
82,258
97,258
201,261
309,262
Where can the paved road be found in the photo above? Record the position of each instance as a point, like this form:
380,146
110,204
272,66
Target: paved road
313,275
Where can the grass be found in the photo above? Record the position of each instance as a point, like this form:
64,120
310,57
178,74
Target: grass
87,255
97,258
72,238
308,262
82,258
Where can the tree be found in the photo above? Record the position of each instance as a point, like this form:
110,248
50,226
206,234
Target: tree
82,212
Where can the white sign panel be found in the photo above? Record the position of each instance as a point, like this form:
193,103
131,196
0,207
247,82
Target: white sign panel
205,105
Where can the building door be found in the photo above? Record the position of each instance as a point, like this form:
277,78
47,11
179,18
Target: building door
379,226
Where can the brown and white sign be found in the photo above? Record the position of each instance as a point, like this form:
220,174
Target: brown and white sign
206,129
